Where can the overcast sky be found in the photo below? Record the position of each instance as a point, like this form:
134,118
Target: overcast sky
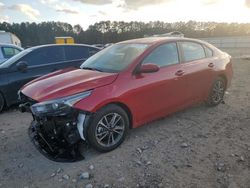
86,12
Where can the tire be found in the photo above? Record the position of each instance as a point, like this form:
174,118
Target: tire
1,102
108,128
217,92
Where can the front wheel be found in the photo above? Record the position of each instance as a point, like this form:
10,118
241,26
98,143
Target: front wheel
217,92
108,128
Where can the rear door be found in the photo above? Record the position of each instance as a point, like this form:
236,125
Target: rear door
157,94
197,66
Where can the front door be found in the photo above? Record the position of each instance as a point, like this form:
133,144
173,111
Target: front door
157,94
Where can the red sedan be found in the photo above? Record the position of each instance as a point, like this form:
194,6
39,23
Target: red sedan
123,86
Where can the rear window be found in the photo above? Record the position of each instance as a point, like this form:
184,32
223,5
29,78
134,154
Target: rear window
192,51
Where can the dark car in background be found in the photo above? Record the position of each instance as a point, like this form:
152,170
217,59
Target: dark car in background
35,62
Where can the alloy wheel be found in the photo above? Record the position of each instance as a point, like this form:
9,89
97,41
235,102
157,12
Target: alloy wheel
218,91
110,129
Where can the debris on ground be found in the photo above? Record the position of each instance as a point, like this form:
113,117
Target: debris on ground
84,175
184,145
66,177
89,186
91,167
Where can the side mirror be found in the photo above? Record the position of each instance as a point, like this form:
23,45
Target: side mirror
22,66
149,68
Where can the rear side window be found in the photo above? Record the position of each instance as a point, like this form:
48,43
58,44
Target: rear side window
9,52
166,54
45,55
192,51
76,52
208,51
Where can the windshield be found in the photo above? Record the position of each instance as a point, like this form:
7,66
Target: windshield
114,58
14,58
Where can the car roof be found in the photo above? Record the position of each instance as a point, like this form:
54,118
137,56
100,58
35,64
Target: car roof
154,40
50,45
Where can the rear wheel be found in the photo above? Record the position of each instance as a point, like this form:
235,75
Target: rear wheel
108,128
217,92
1,102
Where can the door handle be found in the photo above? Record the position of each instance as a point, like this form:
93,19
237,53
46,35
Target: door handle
211,65
179,73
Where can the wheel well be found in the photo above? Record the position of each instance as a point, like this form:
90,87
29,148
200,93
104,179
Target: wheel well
127,110
224,78
4,101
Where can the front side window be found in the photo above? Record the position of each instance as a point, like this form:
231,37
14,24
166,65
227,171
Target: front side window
16,51
192,51
166,54
114,58
9,52
16,58
44,55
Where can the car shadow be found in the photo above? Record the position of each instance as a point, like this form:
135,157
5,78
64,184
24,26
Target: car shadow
90,154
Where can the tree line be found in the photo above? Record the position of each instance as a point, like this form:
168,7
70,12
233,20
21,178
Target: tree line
103,32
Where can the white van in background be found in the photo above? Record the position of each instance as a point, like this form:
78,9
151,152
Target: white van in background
9,38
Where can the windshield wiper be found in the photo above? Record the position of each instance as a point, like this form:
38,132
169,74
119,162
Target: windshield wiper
90,68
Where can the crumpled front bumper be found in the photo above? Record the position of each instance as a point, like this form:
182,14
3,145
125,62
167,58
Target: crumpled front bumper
54,151
59,137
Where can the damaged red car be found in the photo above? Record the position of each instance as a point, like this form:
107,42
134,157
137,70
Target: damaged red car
121,87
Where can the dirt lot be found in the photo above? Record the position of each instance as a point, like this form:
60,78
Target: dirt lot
198,147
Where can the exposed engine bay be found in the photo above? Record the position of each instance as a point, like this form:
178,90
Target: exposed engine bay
59,137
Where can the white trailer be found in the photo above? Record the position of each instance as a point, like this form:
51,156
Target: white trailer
9,38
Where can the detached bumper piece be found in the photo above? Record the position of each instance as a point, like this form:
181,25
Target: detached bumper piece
57,138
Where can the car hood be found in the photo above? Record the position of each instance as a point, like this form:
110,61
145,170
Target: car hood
66,82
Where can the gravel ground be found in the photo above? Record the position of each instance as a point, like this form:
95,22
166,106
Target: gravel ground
197,147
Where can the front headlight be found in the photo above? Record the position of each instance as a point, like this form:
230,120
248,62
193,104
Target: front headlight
58,106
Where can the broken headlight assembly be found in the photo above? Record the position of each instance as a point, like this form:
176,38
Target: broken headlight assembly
57,128
59,106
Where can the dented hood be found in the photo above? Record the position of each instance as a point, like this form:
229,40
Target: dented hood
66,82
